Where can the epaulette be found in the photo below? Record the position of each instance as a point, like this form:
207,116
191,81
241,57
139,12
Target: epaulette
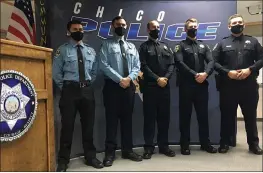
248,35
65,44
86,44
226,37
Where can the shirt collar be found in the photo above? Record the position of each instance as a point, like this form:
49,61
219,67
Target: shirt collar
154,40
237,38
191,41
74,43
117,38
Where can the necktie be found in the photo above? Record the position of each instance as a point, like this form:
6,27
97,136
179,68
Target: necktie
195,49
124,59
81,65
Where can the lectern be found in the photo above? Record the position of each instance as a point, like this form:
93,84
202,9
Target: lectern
35,149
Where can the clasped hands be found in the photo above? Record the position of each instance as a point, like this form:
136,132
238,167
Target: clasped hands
125,82
239,74
201,77
162,81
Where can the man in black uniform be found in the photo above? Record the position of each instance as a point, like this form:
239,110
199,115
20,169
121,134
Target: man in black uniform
238,59
74,70
157,65
190,56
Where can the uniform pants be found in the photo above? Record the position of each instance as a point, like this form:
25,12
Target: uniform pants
73,99
156,107
119,105
197,95
244,94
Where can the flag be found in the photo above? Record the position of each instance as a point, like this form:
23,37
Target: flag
22,25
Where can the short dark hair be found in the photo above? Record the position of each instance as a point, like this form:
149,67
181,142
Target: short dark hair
72,22
116,18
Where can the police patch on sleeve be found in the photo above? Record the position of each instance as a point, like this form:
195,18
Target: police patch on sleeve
18,105
177,47
57,53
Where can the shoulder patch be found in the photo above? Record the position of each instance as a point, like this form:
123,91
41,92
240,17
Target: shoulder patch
177,48
248,35
57,52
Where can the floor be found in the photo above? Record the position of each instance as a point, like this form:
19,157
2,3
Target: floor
238,159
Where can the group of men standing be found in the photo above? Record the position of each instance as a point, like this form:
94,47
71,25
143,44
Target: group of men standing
237,59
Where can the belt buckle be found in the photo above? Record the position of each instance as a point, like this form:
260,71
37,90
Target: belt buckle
82,85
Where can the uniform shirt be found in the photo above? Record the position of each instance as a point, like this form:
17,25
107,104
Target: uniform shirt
111,60
65,63
156,60
233,53
190,58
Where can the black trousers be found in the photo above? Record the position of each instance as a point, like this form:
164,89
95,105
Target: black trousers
245,94
197,95
73,99
119,105
156,108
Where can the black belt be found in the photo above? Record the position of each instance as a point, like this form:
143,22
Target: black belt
78,84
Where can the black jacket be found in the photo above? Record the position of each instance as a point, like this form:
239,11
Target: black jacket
190,58
233,53
156,61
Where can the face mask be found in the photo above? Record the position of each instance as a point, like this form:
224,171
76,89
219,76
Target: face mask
77,36
120,31
192,32
237,29
154,33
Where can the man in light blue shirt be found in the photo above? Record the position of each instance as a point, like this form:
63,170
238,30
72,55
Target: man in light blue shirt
74,70
119,61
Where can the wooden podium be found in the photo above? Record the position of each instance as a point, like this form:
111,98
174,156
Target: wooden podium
35,150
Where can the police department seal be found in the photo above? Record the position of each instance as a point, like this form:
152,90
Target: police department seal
18,105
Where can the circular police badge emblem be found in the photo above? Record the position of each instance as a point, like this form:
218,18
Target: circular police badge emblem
18,105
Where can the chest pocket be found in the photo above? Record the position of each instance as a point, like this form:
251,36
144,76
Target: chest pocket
167,57
248,48
188,50
71,61
89,59
228,49
201,51
115,54
131,54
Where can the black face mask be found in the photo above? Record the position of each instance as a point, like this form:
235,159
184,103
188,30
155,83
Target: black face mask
154,33
237,29
120,31
77,36
192,32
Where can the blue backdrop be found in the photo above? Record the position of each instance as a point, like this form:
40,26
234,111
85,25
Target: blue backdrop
96,16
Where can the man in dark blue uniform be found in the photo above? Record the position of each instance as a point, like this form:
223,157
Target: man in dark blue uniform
190,57
238,59
157,65
74,70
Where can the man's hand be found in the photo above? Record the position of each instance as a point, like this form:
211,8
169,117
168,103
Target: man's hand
243,73
200,77
162,81
125,82
232,74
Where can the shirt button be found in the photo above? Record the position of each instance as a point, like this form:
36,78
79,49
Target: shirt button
80,61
